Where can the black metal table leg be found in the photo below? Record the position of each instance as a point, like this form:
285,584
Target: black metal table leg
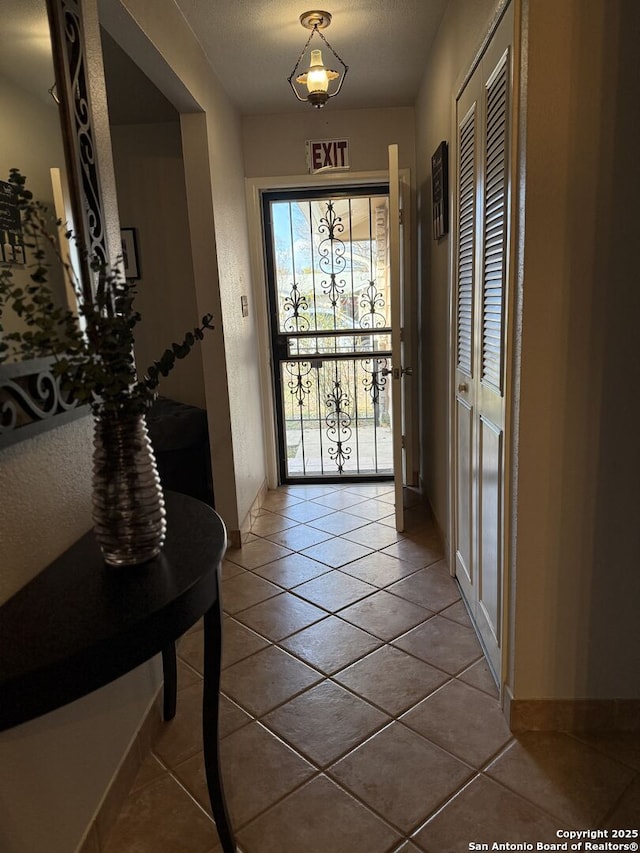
210,706
170,673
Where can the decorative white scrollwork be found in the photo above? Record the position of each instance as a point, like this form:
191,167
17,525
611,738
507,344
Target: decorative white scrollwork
29,398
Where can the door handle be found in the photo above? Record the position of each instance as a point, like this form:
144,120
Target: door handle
462,387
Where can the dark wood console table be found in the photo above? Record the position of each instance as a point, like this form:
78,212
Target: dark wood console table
80,624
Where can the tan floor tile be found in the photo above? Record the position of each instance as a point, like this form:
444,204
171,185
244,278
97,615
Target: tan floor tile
309,491
374,535
569,779
381,570
244,591
457,613
258,770
485,812
181,737
334,590
479,675
231,717
281,616
623,746
414,552
526,793
292,570
339,500
275,499
257,553
391,679
161,816
626,813
444,718
267,679
336,552
270,522
186,675
338,523
372,490
230,570
191,650
300,824
299,537
429,588
331,644
306,512
419,519
150,771
255,754
373,510
443,644
385,615
239,642
401,776
389,520
325,722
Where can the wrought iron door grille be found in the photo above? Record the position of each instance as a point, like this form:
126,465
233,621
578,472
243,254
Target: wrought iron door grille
329,289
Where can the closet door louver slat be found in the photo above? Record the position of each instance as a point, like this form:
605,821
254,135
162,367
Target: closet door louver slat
494,228
466,240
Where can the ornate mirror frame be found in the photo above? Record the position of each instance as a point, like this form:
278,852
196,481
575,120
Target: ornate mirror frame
31,400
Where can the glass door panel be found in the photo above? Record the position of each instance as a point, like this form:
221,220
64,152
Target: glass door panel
327,259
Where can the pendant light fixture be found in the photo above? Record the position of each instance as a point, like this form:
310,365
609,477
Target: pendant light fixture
318,82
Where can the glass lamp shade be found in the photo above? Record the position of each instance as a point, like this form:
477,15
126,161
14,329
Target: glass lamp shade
317,79
318,83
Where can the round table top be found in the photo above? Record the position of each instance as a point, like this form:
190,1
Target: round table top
80,624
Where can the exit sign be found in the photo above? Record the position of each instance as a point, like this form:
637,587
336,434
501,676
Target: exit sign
323,154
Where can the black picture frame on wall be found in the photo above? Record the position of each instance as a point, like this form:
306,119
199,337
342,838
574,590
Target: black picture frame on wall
440,190
130,259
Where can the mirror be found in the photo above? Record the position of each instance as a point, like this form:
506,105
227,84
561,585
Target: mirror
31,139
47,133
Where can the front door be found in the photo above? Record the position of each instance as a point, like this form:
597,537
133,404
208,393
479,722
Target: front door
330,301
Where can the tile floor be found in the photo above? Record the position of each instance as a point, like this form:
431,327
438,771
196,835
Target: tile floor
358,714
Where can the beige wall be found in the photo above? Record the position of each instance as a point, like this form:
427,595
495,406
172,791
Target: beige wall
152,198
212,149
464,25
274,145
45,483
577,584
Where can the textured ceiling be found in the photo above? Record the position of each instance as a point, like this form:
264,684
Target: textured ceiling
253,47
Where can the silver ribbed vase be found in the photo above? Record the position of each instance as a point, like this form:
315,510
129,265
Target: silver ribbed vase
128,504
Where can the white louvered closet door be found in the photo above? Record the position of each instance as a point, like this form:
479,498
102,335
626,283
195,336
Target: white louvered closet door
481,310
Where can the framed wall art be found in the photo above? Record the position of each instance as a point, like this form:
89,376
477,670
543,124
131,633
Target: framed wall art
130,259
440,190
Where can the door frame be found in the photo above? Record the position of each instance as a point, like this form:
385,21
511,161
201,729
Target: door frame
512,327
255,188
